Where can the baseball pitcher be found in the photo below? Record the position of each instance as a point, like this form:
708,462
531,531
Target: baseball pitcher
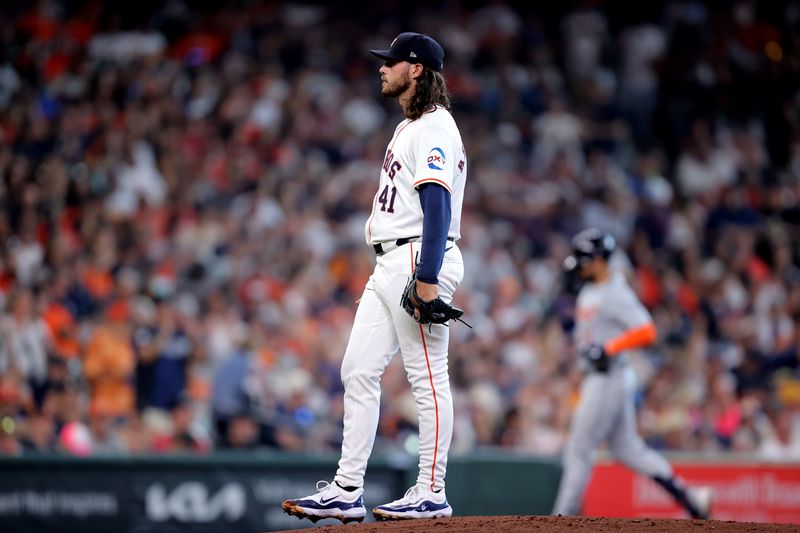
413,229
609,321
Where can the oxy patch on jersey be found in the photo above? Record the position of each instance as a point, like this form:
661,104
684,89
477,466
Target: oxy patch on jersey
436,160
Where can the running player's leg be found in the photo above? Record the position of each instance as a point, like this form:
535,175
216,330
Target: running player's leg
626,444
372,344
593,418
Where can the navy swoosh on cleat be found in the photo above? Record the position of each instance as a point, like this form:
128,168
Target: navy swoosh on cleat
421,507
330,504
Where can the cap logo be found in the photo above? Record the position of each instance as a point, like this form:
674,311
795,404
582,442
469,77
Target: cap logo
412,54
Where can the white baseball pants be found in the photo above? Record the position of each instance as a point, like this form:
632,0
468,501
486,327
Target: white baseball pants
381,329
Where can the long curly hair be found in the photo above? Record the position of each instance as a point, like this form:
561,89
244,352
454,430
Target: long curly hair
431,90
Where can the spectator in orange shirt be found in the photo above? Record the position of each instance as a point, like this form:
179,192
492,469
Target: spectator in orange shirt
62,327
109,361
60,316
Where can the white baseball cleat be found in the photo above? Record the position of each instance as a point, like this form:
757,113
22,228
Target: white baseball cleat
702,498
418,502
329,502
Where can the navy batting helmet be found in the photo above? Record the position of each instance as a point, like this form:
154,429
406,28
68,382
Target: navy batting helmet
587,245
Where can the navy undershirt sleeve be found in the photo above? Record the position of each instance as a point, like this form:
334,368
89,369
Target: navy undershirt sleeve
435,201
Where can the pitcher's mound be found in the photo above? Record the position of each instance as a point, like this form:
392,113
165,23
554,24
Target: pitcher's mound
565,524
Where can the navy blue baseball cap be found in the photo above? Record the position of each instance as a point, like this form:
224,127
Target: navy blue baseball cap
414,48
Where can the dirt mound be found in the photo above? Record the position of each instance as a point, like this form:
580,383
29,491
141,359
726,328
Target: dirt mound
542,524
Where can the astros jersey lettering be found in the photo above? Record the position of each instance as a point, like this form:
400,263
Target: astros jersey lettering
426,150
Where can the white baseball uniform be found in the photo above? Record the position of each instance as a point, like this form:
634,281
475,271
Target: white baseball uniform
426,150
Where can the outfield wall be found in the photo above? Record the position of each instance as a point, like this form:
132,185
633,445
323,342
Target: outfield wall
234,493
745,490
242,492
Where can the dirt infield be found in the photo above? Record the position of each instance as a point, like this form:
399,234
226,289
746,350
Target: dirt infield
519,524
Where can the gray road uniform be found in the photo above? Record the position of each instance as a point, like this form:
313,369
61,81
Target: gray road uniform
606,412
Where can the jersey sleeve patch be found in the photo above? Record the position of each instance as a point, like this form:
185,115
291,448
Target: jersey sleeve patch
436,159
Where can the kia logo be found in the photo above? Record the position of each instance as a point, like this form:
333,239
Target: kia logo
192,502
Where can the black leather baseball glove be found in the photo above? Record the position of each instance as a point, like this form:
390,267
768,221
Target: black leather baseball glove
434,311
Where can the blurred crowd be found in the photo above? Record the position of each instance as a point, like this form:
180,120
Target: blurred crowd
184,190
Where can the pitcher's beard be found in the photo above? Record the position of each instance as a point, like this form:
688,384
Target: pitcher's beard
393,91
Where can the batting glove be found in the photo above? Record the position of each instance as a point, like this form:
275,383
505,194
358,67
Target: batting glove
597,357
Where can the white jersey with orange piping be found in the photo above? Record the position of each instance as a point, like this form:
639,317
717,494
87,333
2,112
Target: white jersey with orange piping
426,150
